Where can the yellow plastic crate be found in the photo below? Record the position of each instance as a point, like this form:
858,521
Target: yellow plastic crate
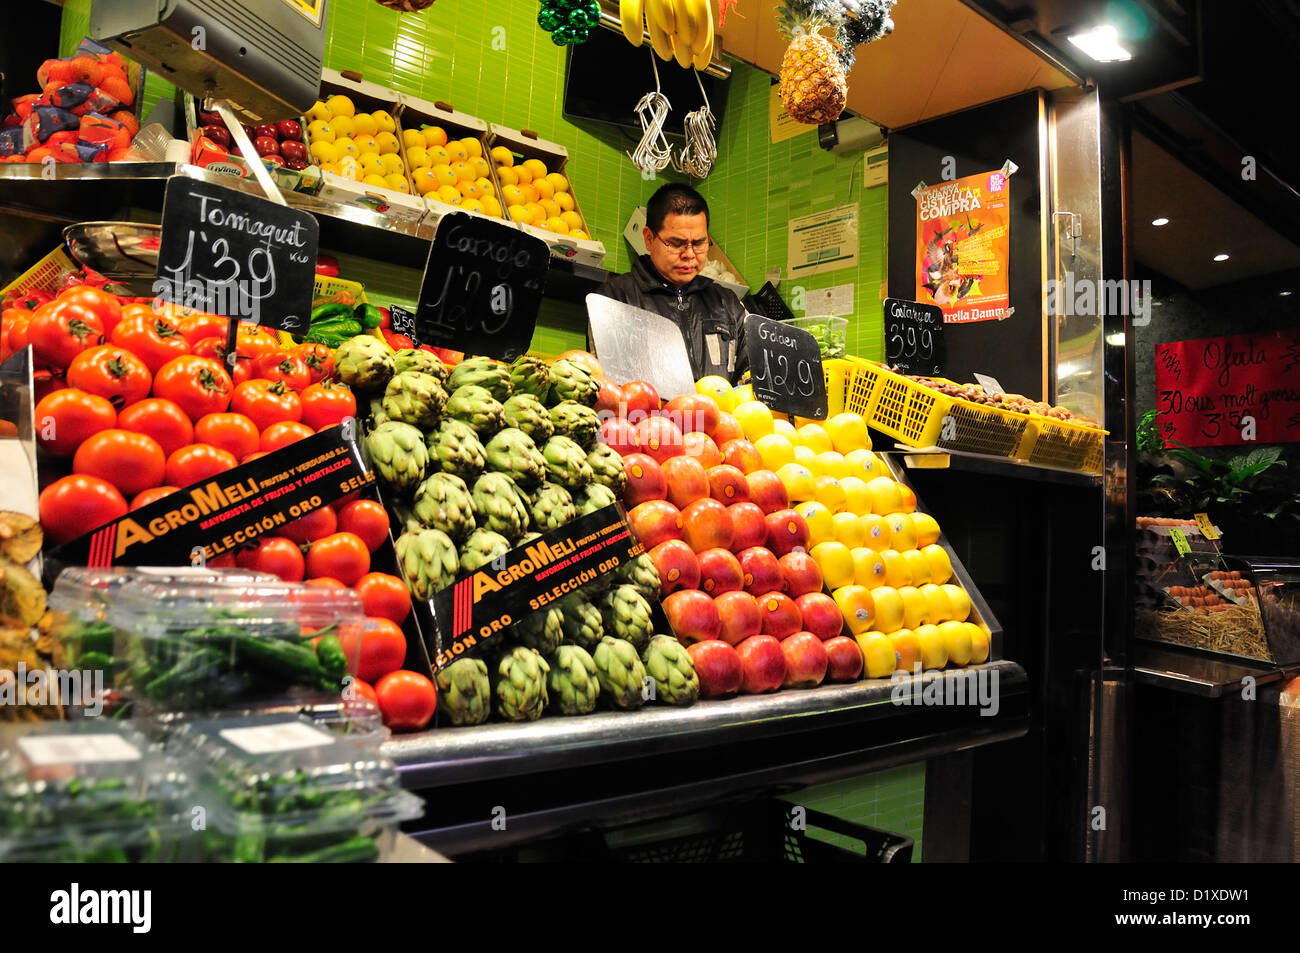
42,276
1061,443
327,290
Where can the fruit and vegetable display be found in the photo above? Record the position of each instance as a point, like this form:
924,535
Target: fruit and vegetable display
1015,403
83,112
361,146
278,143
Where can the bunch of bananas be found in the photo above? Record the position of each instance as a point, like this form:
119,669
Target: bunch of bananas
680,30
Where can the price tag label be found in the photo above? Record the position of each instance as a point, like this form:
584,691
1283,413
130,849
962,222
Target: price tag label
403,322
238,255
43,750
990,384
285,736
1205,526
482,286
1180,542
785,368
914,337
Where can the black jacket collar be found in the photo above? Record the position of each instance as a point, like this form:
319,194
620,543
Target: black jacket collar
649,280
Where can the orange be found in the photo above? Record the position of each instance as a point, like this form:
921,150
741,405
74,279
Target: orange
857,605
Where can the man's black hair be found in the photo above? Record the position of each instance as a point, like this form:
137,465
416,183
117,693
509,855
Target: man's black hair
674,200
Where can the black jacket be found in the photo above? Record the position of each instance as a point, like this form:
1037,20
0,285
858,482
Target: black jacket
711,318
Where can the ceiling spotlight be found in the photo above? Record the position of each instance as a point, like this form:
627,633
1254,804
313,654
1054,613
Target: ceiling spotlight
1157,222
1283,294
1102,44
1221,256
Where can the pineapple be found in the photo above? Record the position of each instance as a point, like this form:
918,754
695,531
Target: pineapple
813,87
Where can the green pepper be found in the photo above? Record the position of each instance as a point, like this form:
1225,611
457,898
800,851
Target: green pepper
333,333
95,660
329,650
356,850
369,316
328,312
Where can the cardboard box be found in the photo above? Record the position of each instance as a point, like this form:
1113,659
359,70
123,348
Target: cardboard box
207,154
525,144
635,236
415,113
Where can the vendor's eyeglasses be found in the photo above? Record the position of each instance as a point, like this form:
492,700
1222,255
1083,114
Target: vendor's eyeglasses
679,245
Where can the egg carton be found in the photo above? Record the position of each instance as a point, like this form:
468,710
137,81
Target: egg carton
1239,596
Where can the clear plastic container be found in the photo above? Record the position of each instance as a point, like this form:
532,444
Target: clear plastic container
188,646
93,791
356,717
278,788
832,333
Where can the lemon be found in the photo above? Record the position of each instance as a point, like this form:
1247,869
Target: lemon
397,182
775,450
558,182
344,127
814,438
958,600
857,498
426,182
798,481
340,105
318,111
934,648
848,432
897,572
936,558
927,529
755,418
957,641
507,176
785,429
535,166
371,165
918,566
828,492
939,609
889,609
850,530
868,568
833,464
979,643
857,605
318,130
365,125
387,143
323,151
818,518
412,139
502,156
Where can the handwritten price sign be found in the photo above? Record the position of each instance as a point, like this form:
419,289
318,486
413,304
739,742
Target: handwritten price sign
1239,388
785,367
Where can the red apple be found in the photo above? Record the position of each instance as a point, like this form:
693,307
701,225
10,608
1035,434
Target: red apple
843,659
728,485
728,428
767,490
719,572
289,130
741,454
272,160
296,164
209,118
718,668
821,616
639,396
802,574
218,134
645,479
692,615
655,521
659,437
786,532
618,433
693,413
687,480
762,571
805,660
292,150
677,565
267,129
762,664
707,525
250,131
702,448
781,617
750,528
266,146
740,616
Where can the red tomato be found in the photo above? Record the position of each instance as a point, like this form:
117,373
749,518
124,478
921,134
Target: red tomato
113,372
279,366
160,419
253,340
318,358
382,648
234,433
367,520
253,456
224,561
103,304
214,348
245,369
197,325
46,382
398,342
325,582
315,525
196,463
280,557
278,436
152,338
326,404
384,596
132,462
342,555
199,385
17,320
266,403
152,495
358,690
59,331
67,417
77,504
639,395
406,699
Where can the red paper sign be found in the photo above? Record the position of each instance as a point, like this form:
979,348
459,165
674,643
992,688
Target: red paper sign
1240,388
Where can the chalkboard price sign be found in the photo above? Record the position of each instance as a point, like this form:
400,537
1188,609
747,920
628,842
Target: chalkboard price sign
785,366
914,337
238,255
403,322
482,286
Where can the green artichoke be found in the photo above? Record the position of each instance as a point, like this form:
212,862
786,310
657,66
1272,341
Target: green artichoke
364,363
593,497
415,398
512,452
571,382
581,622
621,673
574,687
499,506
670,665
642,573
398,454
519,685
443,502
626,614
528,375
426,362
475,406
607,468
481,548
552,508
455,448
377,415
492,376
541,631
525,412
576,421
464,692
566,463
428,558
404,517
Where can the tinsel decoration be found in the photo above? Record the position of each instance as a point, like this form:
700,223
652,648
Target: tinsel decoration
406,6
568,21
864,21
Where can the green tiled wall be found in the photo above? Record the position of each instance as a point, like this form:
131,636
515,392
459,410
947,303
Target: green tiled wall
891,800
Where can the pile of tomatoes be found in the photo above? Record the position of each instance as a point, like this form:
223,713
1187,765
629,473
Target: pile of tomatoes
144,401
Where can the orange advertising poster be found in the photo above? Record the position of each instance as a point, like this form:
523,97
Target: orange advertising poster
962,243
